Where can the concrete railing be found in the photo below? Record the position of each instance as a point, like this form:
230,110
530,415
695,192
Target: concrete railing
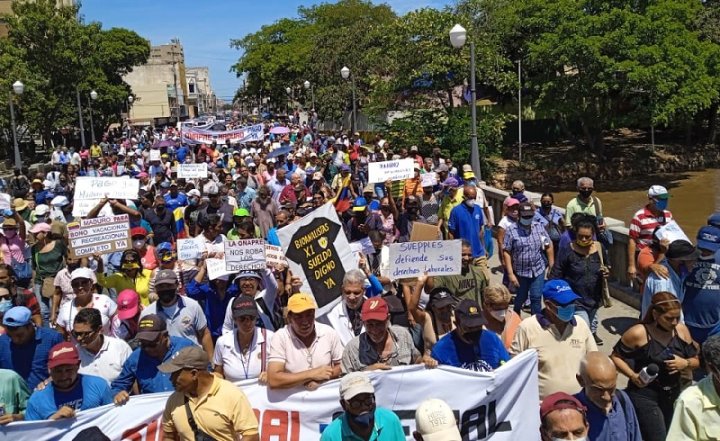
619,283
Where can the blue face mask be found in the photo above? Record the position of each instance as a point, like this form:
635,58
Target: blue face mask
525,222
661,204
566,313
5,305
366,419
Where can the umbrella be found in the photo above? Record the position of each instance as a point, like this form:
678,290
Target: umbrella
279,152
280,130
165,143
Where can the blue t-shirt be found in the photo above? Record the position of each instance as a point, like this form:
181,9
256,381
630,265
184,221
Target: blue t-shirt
486,356
89,392
175,202
31,359
181,153
701,304
465,223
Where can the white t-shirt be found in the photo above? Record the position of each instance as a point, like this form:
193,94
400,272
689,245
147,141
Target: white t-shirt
108,362
237,366
101,302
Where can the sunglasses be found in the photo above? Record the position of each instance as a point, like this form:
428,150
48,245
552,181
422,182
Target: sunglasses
81,335
150,344
80,283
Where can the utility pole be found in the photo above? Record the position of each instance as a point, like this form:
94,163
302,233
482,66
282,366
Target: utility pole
80,118
519,110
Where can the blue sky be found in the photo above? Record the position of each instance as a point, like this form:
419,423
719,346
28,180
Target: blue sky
206,27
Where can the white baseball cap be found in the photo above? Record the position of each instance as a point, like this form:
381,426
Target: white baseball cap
435,421
41,210
657,190
355,383
60,201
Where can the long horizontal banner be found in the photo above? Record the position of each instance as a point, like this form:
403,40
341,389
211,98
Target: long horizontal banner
499,406
244,134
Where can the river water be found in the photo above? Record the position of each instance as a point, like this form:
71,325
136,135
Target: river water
693,197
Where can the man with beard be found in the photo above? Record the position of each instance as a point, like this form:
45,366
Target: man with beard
382,345
68,391
362,419
203,405
469,284
468,346
156,347
183,316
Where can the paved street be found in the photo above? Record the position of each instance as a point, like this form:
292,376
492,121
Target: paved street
613,321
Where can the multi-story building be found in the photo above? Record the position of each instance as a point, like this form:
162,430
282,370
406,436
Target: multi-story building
6,8
201,97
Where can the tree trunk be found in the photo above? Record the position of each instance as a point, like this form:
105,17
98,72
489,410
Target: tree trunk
712,123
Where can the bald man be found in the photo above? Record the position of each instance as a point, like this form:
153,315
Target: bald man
610,412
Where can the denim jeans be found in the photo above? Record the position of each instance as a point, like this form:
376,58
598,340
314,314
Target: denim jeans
590,318
45,304
531,286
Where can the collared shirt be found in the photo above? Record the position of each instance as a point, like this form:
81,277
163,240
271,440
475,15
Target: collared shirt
360,352
559,354
484,356
14,392
238,365
108,361
187,321
286,347
338,318
214,305
387,428
108,312
245,198
466,223
697,413
89,392
655,283
643,225
142,368
222,413
29,360
576,205
620,424
526,249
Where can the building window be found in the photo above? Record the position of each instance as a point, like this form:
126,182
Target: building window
191,87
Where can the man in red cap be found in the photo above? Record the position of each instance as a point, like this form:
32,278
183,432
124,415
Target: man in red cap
563,417
382,345
69,391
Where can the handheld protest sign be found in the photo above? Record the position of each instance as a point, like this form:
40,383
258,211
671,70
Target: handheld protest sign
102,235
397,170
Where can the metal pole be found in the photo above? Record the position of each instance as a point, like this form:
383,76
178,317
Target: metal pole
475,150
92,128
354,108
80,118
312,93
18,160
519,110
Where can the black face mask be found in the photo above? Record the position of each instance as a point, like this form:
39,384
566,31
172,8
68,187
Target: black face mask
546,204
472,336
166,296
160,210
585,193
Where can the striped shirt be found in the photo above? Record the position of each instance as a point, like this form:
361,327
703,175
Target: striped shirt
526,249
643,225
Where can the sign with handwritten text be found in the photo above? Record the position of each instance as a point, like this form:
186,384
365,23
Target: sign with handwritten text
391,170
436,257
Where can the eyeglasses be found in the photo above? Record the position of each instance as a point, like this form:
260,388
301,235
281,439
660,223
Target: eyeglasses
80,283
357,403
81,335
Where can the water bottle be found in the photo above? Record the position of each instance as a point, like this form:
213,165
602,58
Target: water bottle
649,373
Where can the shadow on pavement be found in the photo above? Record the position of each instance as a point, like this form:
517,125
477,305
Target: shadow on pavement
618,325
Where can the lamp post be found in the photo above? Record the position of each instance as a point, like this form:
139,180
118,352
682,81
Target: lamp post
93,97
458,36
288,91
307,86
80,118
345,72
519,63
18,89
130,100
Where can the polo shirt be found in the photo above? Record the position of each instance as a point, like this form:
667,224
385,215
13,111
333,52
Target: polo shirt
89,392
643,225
360,352
578,206
142,368
175,202
222,413
488,354
286,347
31,359
619,424
387,428
108,361
14,392
236,365
559,355
697,413
187,321
108,312
466,223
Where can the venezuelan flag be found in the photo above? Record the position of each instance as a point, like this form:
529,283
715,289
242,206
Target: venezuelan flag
179,215
342,199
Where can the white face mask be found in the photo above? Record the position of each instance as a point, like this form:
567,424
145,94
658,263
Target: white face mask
498,315
470,202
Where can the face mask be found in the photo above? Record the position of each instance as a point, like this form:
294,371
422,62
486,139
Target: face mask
585,193
525,222
566,313
583,243
5,305
661,204
137,244
547,204
10,233
684,271
192,202
73,267
498,315
515,192
166,296
364,420
472,336
160,210
470,202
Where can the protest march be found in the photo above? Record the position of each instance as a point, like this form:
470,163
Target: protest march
274,281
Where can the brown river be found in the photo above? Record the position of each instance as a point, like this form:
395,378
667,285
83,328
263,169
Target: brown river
693,197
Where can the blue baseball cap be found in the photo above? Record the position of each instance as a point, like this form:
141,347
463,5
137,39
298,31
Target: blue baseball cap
708,238
714,219
360,204
17,316
558,291
165,246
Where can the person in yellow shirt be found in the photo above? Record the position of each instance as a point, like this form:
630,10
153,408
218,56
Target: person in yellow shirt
95,151
131,276
450,200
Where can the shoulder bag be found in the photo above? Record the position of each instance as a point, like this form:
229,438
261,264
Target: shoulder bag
199,434
606,299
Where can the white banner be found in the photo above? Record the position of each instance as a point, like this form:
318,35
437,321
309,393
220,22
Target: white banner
98,188
192,171
499,406
252,133
318,252
245,254
393,170
436,257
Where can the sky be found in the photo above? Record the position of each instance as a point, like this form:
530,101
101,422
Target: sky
205,28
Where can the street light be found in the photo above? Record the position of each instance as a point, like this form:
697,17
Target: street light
18,89
307,85
130,99
458,37
519,63
288,91
345,72
80,118
93,97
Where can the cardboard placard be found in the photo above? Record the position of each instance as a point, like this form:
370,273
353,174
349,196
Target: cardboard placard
393,170
216,268
421,231
274,256
102,235
5,200
245,254
81,208
428,179
154,155
192,171
672,232
436,257
189,249
98,188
